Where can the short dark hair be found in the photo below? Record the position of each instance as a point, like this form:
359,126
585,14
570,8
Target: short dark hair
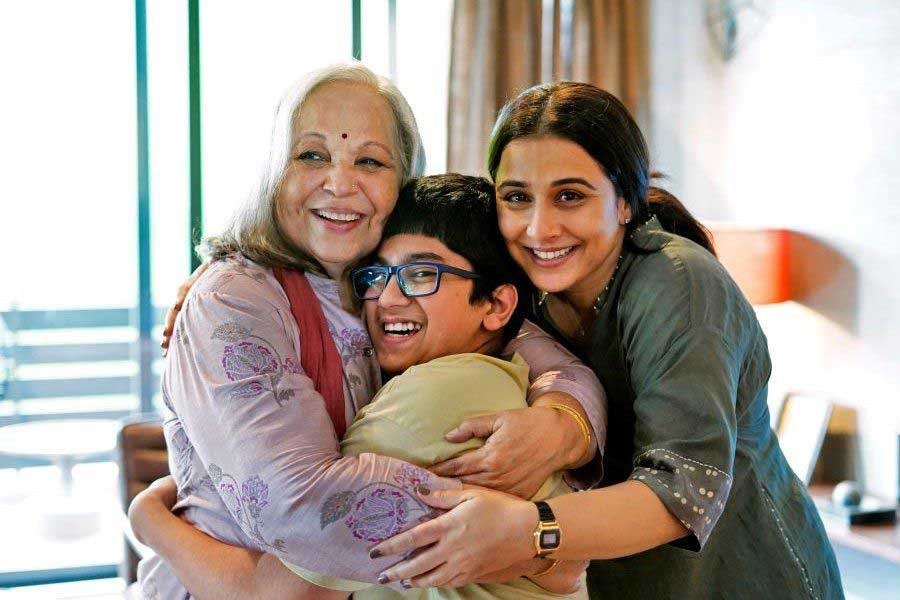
460,211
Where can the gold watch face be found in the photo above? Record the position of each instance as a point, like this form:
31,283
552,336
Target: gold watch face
549,538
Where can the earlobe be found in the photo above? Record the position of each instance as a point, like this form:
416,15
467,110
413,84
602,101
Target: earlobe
624,210
504,300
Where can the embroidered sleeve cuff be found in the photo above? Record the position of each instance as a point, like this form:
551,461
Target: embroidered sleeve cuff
693,491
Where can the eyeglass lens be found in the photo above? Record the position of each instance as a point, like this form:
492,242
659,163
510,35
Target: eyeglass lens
414,280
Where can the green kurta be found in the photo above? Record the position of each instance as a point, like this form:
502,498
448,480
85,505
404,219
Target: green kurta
685,366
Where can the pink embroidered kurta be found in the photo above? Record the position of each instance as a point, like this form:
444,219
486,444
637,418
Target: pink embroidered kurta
251,446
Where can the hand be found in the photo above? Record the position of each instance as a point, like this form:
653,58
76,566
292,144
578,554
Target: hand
465,544
171,315
159,497
523,448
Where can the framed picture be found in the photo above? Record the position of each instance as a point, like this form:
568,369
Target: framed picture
801,429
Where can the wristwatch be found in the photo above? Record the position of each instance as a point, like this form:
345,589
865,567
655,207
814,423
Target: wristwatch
547,534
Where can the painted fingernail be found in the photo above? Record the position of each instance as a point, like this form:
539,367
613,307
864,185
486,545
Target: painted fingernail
423,490
383,579
406,583
374,553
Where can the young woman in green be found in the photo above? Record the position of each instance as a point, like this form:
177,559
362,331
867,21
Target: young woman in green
699,501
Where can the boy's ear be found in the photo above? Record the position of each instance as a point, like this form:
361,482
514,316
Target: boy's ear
503,302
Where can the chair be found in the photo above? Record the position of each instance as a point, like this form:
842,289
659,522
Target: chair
143,458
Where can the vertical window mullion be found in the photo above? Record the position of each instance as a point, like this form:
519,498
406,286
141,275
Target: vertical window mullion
144,347
196,176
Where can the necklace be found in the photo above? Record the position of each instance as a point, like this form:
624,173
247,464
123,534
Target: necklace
596,305
580,330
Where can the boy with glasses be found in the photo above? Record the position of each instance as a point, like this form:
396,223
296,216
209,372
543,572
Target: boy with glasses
441,301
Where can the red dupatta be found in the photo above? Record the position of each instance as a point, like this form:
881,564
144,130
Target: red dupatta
319,356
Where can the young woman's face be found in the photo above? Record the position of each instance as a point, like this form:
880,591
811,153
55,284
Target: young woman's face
343,177
559,213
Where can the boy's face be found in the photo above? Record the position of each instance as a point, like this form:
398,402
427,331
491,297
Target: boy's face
441,324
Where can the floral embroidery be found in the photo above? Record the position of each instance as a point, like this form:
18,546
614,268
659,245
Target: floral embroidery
245,502
379,515
183,451
284,395
410,477
247,359
290,365
376,512
246,390
354,342
230,332
336,507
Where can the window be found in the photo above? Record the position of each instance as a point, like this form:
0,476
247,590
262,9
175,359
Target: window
73,235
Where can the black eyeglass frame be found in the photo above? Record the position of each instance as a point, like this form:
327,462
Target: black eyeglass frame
395,270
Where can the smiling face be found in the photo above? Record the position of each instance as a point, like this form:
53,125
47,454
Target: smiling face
411,331
343,177
560,216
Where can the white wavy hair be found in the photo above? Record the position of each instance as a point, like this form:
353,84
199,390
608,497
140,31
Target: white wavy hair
254,229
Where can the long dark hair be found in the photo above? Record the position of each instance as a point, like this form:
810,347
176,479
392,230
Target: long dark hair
599,123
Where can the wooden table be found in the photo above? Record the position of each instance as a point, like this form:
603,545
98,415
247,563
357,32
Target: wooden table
882,541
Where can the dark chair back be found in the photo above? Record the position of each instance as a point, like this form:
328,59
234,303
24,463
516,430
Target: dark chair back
143,459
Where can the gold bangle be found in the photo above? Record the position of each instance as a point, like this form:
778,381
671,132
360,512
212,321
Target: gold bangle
553,563
582,424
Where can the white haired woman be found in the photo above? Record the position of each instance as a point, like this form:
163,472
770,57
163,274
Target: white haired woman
265,369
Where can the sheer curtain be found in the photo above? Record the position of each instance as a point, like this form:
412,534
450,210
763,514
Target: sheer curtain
501,47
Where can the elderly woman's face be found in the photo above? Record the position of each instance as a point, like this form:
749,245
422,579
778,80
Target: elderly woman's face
343,178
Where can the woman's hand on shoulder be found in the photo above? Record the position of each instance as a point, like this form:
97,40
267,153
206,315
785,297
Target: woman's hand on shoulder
522,449
172,314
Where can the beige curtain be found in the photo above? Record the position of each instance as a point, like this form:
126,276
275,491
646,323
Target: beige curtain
500,47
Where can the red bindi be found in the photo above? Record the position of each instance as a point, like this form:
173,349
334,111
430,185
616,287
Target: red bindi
344,135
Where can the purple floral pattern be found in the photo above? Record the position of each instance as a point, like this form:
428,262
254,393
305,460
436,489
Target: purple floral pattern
410,477
248,359
247,390
246,502
379,514
183,451
230,331
290,366
354,342
376,512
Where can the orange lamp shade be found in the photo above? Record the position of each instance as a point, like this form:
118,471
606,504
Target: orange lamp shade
758,260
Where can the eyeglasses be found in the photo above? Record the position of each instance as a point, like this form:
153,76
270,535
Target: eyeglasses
415,279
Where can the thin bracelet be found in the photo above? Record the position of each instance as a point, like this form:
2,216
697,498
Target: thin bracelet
582,424
553,563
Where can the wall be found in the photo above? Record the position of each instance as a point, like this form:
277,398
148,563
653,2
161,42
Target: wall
799,130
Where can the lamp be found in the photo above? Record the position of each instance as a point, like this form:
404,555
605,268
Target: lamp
758,260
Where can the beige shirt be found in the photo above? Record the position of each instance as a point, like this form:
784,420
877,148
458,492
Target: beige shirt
408,419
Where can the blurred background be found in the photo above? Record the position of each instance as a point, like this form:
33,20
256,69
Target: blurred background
130,129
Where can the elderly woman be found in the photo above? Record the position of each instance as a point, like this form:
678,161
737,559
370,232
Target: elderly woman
266,368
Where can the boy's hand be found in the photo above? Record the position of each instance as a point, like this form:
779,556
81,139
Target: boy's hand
522,449
150,505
